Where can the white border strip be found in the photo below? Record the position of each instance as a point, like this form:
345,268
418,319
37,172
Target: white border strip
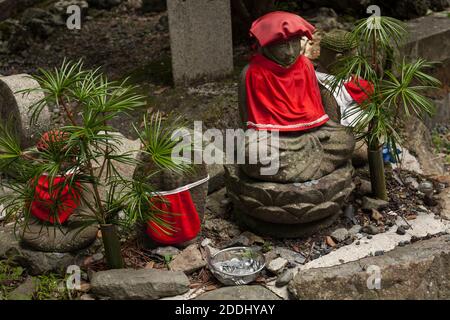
183,188
299,125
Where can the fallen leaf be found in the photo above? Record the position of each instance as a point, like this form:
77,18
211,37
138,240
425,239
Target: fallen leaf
149,265
376,215
330,241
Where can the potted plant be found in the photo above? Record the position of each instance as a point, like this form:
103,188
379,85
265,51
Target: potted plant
398,89
84,160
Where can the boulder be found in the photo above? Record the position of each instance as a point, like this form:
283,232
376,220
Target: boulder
25,290
17,106
242,293
36,262
150,284
417,271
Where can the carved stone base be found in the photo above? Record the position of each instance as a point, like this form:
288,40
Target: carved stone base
70,237
288,210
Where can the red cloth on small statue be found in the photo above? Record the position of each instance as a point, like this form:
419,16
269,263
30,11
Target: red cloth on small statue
41,206
284,99
278,26
180,213
359,89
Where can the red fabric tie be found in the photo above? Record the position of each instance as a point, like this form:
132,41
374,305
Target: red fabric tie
44,200
285,99
180,213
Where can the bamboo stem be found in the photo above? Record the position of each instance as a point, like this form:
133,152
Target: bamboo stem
112,246
376,167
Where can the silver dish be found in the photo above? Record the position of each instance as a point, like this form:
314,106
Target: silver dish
237,265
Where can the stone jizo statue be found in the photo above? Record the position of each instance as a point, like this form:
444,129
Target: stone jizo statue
279,92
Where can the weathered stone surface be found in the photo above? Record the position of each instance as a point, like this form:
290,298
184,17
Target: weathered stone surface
277,265
69,237
303,156
340,234
284,278
25,290
200,38
216,177
239,293
17,105
121,284
371,203
36,262
189,260
288,210
444,199
418,141
417,271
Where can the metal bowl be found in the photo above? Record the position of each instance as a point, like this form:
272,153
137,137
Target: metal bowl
237,265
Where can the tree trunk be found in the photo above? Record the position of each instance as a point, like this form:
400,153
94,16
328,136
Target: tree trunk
112,246
376,167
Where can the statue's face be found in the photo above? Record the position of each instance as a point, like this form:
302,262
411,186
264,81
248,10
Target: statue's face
284,53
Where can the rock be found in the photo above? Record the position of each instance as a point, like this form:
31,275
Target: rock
370,203
36,262
124,284
189,260
17,105
166,251
87,296
365,187
24,291
401,231
290,255
69,237
61,6
413,272
376,215
412,182
284,278
370,229
214,203
216,177
277,265
349,213
340,234
241,293
353,231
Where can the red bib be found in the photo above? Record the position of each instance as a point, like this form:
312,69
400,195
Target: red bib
178,210
284,99
41,206
359,89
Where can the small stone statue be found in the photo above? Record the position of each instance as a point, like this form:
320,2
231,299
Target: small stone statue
279,92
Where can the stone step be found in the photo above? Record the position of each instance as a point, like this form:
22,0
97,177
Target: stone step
417,271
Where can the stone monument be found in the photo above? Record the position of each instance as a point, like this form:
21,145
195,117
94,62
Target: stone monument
279,93
200,39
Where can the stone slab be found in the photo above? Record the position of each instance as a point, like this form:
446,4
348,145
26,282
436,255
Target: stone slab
417,271
200,39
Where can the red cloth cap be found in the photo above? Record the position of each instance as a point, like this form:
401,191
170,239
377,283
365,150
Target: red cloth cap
278,26
359,89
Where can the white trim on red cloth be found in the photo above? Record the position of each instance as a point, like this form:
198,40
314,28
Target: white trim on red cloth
183,188
343,98
289,126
